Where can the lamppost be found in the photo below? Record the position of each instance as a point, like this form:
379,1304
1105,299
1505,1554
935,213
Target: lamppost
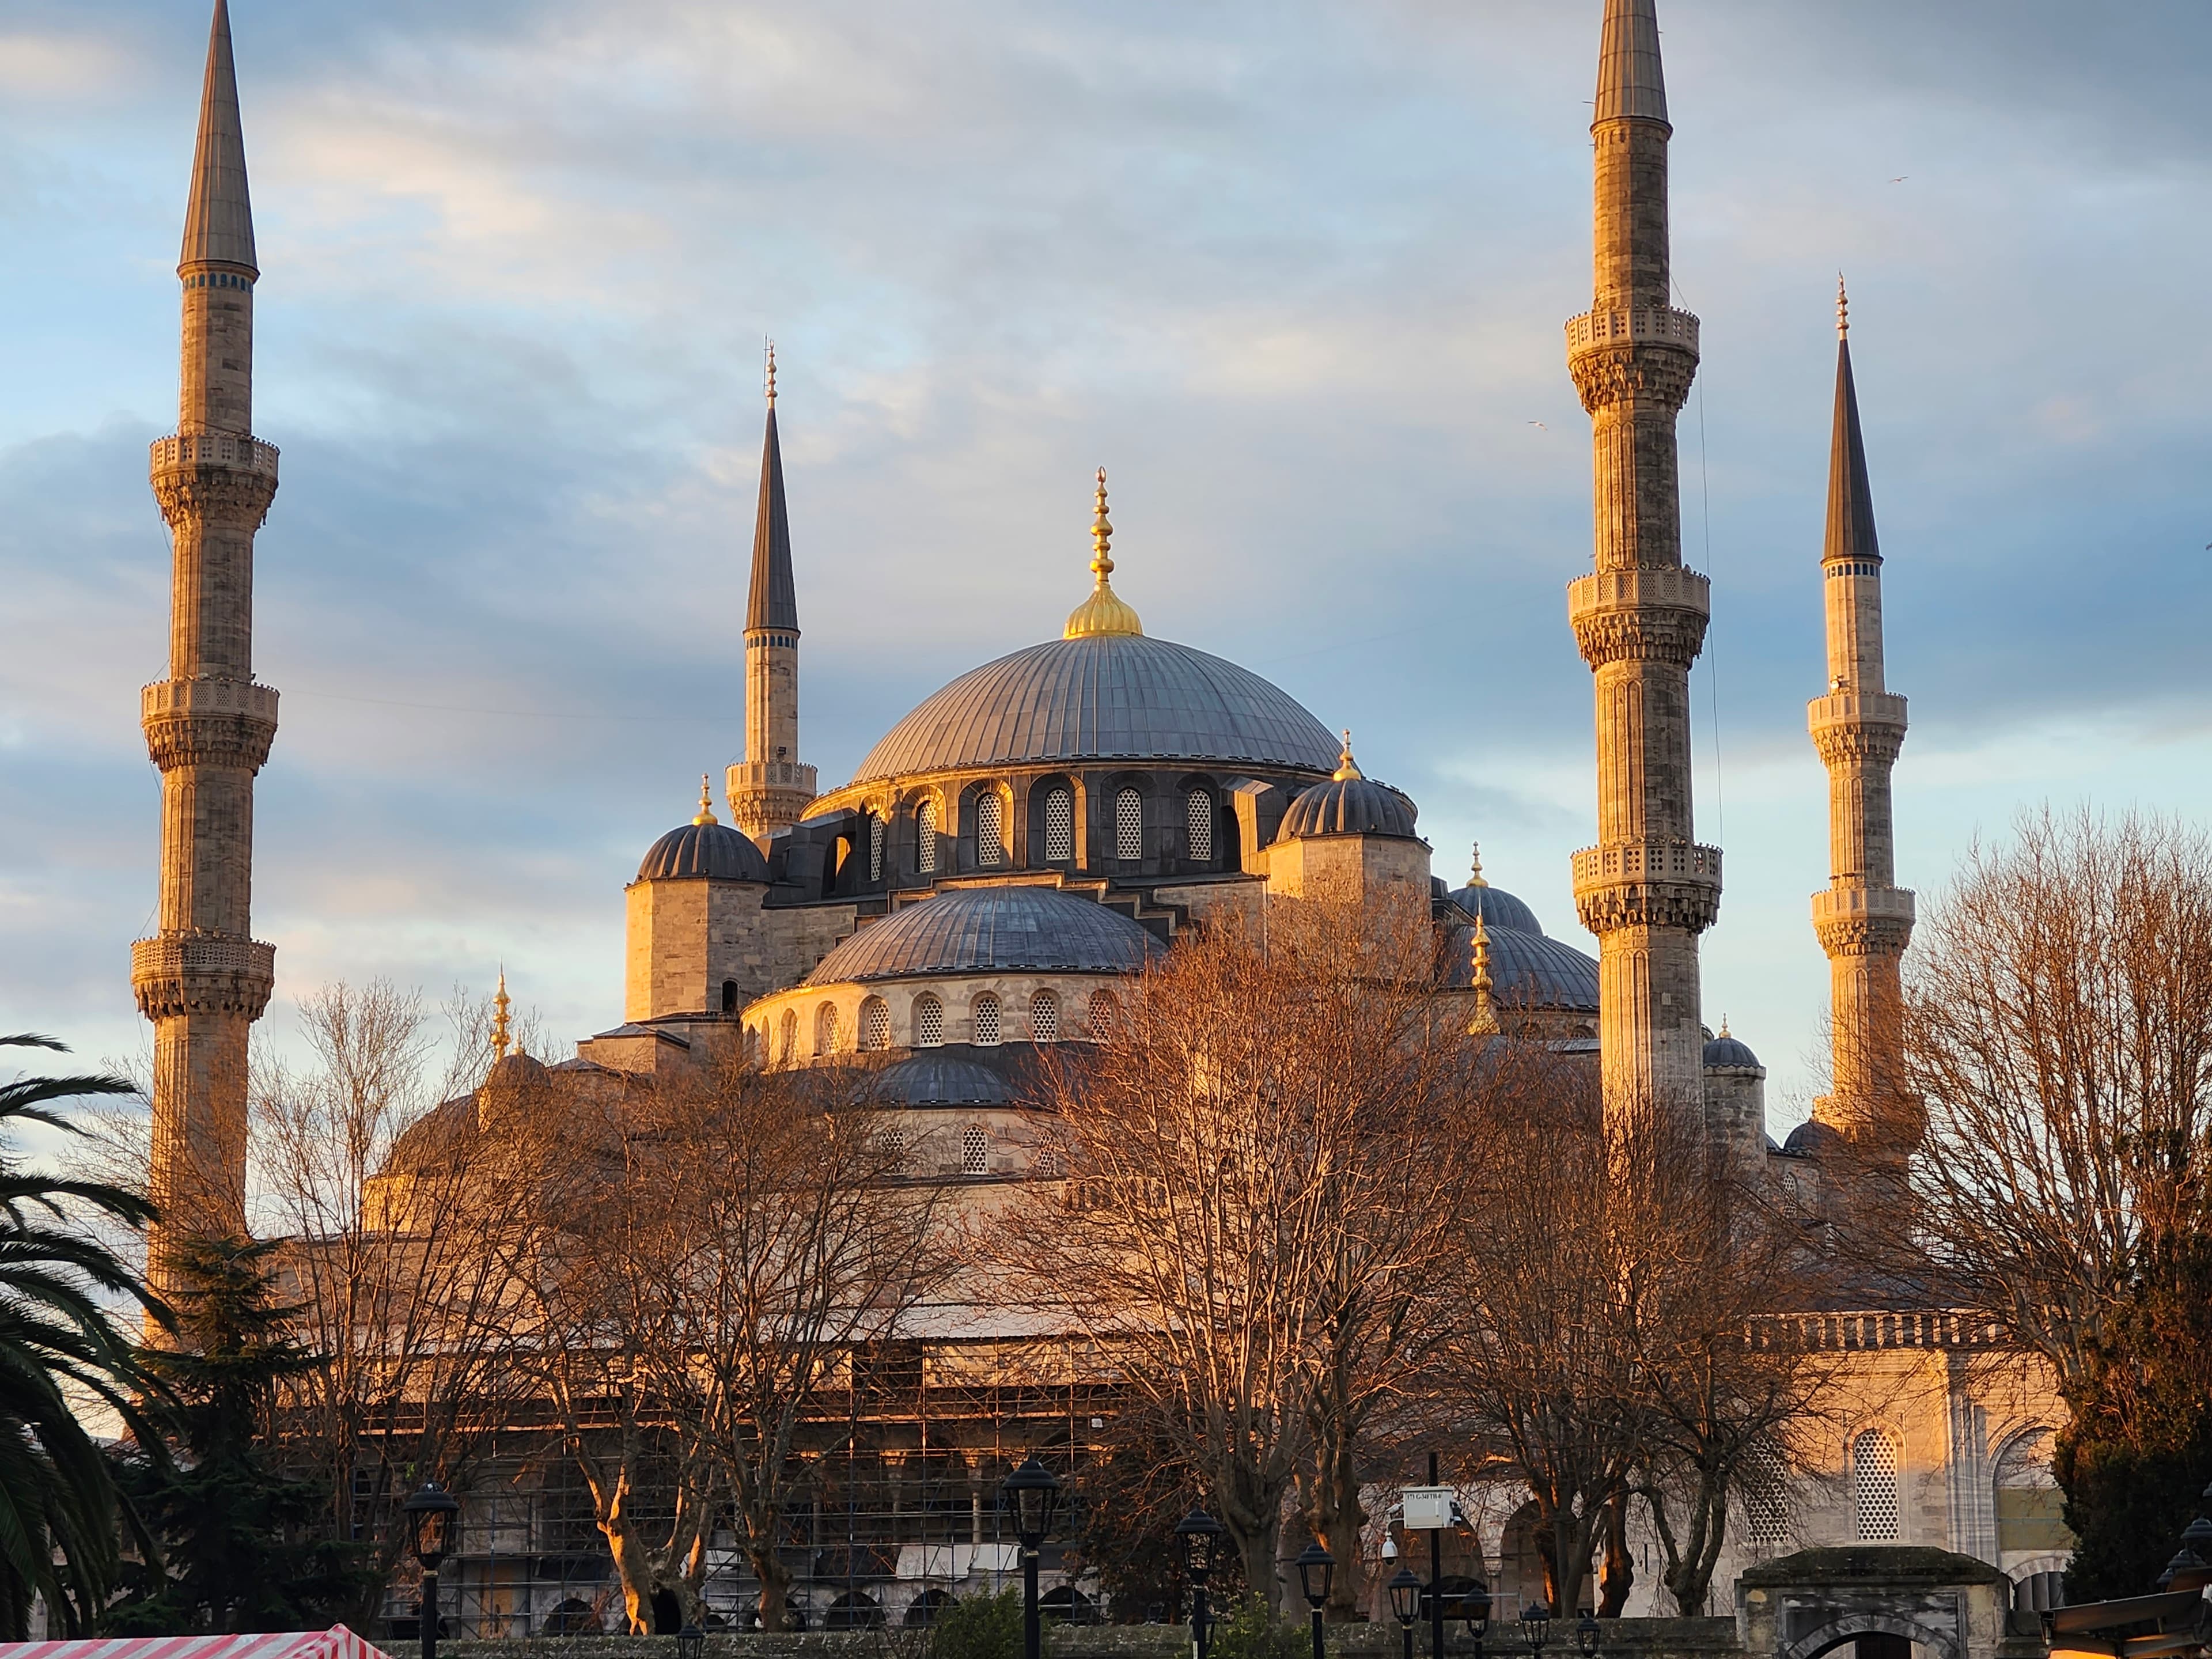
1032,1493
1405,1602
1200,1534
430,1515
1586,1636
690,1642
1535,1627
1474,1607
1316,1566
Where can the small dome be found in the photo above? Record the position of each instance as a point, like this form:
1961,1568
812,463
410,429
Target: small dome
991,930
515,1071
1728,1054
1349,804
712,851
1497,909
1528,970
930,1080
1811,1138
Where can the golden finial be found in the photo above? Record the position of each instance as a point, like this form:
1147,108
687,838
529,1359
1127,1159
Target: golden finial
771,374
1724,1030
499,1007
1346,766
706,814
1475,877
1842,310
1105,611
1485,1023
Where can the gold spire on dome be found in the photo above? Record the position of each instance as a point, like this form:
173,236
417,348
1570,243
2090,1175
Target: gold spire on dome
1724,1030
1842,309
1105,611
499,1007
1475,877
1346,766
706,814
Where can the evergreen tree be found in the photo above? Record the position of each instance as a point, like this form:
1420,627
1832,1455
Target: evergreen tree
237,1532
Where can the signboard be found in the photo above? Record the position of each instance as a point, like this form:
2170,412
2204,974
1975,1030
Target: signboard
1428,1509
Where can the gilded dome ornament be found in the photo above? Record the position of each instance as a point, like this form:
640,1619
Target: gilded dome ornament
706,814
1105,611
1346,767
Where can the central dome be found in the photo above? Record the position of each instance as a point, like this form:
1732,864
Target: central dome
1099,697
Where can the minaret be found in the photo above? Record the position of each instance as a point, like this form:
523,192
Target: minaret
1863,919
201,978
769,790
1646,889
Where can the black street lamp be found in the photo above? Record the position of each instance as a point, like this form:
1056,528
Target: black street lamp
430,1515
1535,1625
1200,1534
1032,1493
1405,1602
1474,1607
1316,1566
690,1642
1586,1636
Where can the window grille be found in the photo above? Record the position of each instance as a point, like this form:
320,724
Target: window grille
1044,1017
1201,806
925,838
891,1144
1129,825
875,1024
928,1022
990,825
986,1020
1766,1505
974,1152
825,1029
1877,1494
875,849
1104,1014
788,1045
1059,826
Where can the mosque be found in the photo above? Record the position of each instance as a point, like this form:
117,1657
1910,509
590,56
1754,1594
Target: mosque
1032,834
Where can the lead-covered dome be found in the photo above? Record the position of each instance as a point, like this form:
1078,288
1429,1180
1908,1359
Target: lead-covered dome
937,1079
987,930
1494,905
1729,1053
1528,970
1349,804
712,851
1101,697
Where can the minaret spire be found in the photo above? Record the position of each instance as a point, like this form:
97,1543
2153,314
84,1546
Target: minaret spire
1647,889
202,979
1864,920
770,789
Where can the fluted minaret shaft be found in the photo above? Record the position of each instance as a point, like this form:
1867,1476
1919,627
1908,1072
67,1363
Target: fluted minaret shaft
1646,889
1864,920
201,978
770,789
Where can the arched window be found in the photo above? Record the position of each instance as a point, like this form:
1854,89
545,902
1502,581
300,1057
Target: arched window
974,1152
987,1021
729,996
891,1145
1103,1015
825,1029
1877,1489
928,1021
990,828
1059,825
1044,1017
1200,812
786,1048
925,838
875,1024
2028,1502
1129,826
875,848
755,1044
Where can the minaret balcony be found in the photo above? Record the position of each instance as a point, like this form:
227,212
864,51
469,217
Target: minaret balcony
1663,882
180,451
1875,709
174,974
1647,860
1654,325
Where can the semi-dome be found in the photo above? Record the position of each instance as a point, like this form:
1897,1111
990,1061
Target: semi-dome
1349,804
936,1079
703,849
1101,696
1528,970
991,930
1496,907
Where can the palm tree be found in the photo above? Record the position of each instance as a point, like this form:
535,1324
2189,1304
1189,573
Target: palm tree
59,1341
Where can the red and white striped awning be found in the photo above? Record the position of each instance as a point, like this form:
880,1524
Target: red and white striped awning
336,1643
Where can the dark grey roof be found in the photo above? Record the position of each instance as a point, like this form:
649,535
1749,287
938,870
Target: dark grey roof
1528,970
1103,696
981,930
1498,907
1348,806
711,850
1729,1053
1811,1138
774,602
1850,497
1630,79
937,1079
219,219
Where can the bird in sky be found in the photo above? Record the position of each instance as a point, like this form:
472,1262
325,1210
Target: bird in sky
1539,425
1900,178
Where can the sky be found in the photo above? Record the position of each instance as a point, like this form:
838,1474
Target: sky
1294,272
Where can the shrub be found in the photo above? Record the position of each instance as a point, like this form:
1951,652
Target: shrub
979,1627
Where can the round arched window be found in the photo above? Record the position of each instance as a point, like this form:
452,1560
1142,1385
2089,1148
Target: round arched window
825,1029
1128,826
925,838
928,1021
1877,1489
1059,825
875,1024
875,848
787,1046
990,828
1044,1017
986,1020
1199,814
1103,1015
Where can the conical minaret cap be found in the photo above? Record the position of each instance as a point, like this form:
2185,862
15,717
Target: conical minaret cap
219,221
1850,497
1630,81
774,602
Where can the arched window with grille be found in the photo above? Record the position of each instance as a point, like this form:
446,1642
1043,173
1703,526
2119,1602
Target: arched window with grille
1044,1017
925,838
990,828
787,1045
1059,825
1199,815
875,1025
875,848
825,1029
986,1020
975,1150
928,1021
890,1144
1877,1489
1103,1015
1128,826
